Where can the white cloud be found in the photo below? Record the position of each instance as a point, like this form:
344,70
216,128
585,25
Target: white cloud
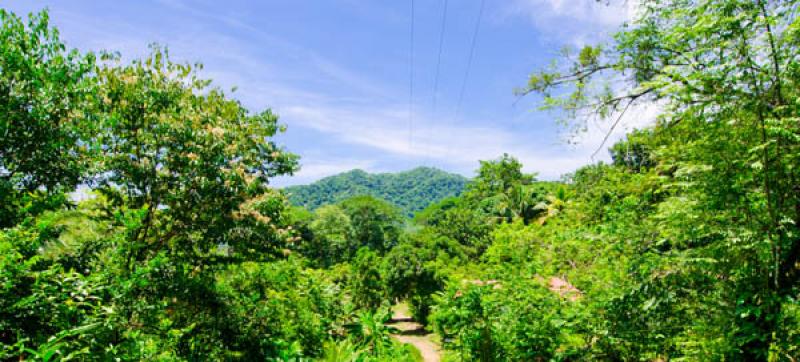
315,167
387,129
577,21
457,146
585,11
375,120
318,64
638,116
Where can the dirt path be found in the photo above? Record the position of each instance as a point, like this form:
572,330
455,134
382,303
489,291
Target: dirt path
414,334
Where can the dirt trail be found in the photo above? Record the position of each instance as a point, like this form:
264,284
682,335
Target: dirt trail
414,334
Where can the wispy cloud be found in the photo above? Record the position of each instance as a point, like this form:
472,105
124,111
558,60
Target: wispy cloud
304,58
577,22
588,12
458,146
387,129
317,166
317,96
371,121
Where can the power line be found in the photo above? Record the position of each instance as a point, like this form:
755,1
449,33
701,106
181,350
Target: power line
436,76
469,59
469,65
439,57
411,83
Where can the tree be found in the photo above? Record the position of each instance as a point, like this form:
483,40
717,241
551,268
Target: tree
47,124
366,286
299,218
724,72
332,240
188,164
458,220
417,268
505,193
498,176
634,153
295,306
185,172
376,224
524,203
47,131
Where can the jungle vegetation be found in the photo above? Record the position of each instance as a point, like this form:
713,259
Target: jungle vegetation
411,191
685,247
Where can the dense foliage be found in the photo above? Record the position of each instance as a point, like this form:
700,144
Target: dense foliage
182,251
685,247
713,186
411,191
47,130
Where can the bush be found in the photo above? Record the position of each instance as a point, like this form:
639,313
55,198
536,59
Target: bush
418,267
366,286
513,321
268,307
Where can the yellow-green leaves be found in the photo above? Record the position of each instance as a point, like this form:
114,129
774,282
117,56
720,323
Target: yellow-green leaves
589,56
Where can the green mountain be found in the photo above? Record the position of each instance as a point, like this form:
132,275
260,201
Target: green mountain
411,190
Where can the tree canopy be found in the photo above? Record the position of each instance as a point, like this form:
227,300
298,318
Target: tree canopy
411,191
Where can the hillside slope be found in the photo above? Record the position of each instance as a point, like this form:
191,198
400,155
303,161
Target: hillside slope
411,190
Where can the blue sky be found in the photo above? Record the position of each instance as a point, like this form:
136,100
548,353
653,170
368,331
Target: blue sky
337,72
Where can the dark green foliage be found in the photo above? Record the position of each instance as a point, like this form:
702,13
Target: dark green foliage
39,299
369,340
47,121
497,177
513,320
367,288
336,232
268,307
332,237
633,153
411,191
504,193
375,224
460,221
705,203
417,268
685,247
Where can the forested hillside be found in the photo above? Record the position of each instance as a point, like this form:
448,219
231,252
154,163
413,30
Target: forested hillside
685,247
411,190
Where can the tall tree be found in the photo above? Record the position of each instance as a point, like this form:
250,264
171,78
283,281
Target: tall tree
725,74
376,224
332,241
46,125
189,164
185,170
498,176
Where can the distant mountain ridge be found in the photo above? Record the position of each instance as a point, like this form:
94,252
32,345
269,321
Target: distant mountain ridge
411,190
